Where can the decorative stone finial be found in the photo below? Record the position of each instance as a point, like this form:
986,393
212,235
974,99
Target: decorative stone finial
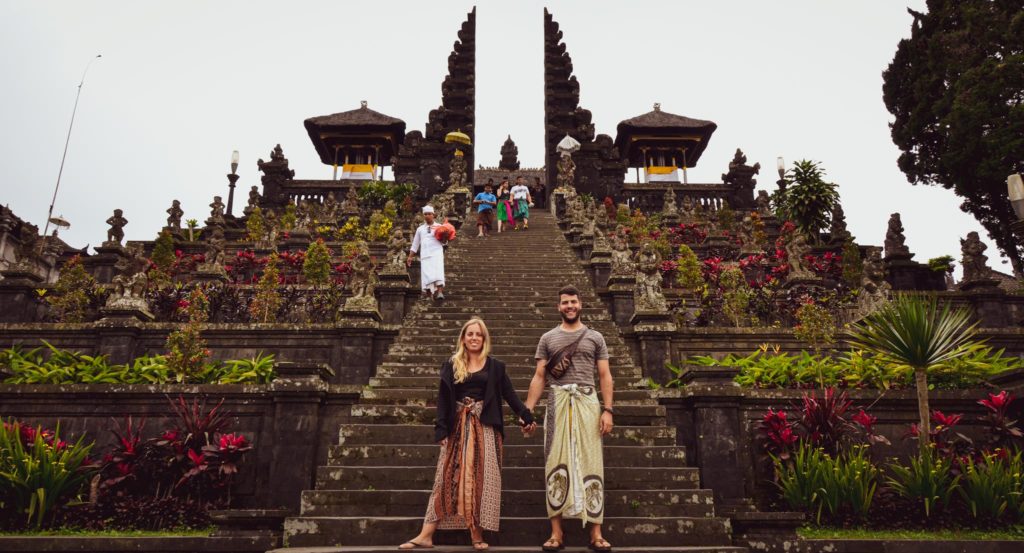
895,241
657,106
362,104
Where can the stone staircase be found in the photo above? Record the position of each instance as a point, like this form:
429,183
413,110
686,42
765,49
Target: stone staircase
373,493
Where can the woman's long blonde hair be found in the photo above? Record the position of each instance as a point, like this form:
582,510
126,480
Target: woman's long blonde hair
460,359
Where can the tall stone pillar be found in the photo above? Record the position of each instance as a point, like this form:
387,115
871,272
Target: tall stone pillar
653,331
298,392
19,301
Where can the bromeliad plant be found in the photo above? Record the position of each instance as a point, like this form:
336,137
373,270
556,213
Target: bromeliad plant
914,332
38,473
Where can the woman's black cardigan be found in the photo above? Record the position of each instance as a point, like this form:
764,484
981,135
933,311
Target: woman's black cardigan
491,412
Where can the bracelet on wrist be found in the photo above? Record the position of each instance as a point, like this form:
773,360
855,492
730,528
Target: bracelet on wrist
608,410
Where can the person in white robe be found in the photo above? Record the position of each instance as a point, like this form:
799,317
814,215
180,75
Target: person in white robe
431,252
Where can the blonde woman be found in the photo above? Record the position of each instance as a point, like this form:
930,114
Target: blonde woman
467,484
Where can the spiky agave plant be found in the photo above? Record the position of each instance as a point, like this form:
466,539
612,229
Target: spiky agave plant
915,332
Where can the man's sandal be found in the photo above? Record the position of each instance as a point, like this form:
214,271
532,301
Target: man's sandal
600,544
415,545
556,545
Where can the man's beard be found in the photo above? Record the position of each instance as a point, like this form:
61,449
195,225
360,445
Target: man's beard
566,319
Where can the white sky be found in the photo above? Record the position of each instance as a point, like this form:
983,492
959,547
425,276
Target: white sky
181,84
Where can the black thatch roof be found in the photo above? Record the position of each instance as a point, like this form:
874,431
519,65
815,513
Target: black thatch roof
659,128
661,119
361,127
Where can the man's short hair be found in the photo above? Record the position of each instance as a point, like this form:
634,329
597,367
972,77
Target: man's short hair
568,290
519,177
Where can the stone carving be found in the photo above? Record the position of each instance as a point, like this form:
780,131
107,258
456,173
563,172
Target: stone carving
398,248
741,177
974,260
174,214
329,212
457,174
509,155
566,173
622,257
304,215
362,283
648,296
350,205
764,204
796,249
216,212
254,200
874,288
30,247
215,250
669,206
895,241
116,231
839,233
688,211
130,282
747,234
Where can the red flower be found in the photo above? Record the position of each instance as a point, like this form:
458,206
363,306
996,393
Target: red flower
124,469
997,402
232,441
865,420
170,436
183,304
945,420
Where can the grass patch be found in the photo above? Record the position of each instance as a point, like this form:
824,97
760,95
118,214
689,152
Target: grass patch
80,533
820,533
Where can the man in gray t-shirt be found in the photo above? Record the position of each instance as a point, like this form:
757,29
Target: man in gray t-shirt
574,422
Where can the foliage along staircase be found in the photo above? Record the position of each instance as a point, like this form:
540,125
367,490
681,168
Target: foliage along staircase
373,493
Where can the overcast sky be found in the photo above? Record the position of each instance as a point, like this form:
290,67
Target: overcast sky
181,84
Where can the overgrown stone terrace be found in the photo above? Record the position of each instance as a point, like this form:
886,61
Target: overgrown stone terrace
677,275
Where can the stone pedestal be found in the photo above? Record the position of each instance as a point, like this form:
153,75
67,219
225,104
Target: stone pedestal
101,265
600,267
357,311
391,292
803,282
460,199
620,288
122,310
19,301
653,331
988,302
585,246
118,338
298,391
558,206
900,271
670,219
209,272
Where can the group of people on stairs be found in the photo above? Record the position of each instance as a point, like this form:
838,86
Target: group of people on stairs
578,413
510,206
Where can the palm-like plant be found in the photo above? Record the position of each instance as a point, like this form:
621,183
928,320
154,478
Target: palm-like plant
915,332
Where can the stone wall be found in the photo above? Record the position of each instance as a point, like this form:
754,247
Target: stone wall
291,422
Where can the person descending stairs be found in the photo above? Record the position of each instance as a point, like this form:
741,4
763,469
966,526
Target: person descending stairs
372,494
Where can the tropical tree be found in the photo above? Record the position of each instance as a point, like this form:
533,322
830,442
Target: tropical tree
808,200
915,332
956,91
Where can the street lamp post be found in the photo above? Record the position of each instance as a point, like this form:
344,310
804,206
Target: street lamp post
67,141
780,164
232,179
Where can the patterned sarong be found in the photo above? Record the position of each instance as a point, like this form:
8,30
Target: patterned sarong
467,484
522,209
574,470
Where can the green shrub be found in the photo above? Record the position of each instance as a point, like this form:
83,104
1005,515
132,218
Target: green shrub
815,482
73,292
993,487
929,481
688,273
38,473
317,265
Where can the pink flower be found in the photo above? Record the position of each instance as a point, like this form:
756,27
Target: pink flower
865,420
997,402
197,458
232,441
945,420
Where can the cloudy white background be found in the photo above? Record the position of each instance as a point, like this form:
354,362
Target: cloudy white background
181,84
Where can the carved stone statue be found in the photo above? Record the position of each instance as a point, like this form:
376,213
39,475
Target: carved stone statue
648,296
130,282
874,288
116,231
688,212
566,173
330,208
669,206
215,248
796,249
362,284
741,178
895,241
622,257
174,214
764,204
254,200
974,260
839,233
747,234
350,206
398,247
216,212
30,247
457,174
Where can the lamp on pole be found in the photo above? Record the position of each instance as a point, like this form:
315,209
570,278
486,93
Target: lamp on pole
780,164
232,179
67,141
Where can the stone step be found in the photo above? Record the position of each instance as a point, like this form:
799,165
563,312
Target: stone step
515,503
380,434
430,399
513,478
520,374
525,532
626,415
498,549
430,394
512,455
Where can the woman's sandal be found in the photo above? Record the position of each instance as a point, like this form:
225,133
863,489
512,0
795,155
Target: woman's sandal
481,545
415,545
600,544
557,545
